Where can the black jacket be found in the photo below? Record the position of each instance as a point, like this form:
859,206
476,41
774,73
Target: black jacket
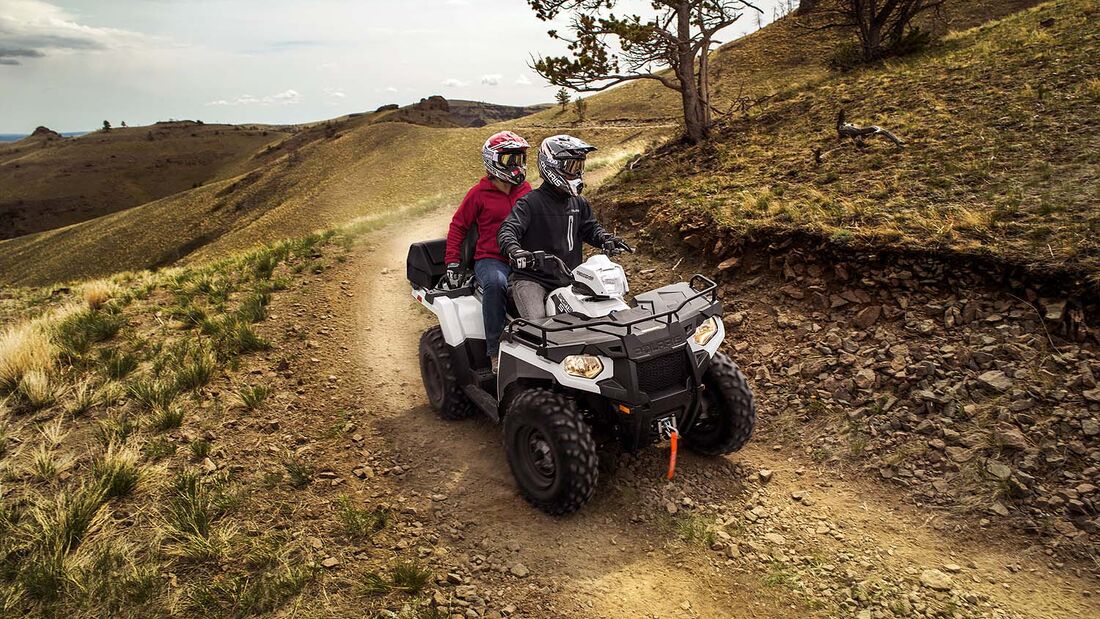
549,220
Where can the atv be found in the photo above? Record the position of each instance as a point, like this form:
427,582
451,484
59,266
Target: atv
597,366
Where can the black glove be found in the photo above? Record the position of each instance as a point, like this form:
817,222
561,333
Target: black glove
521,259
615,245
454,276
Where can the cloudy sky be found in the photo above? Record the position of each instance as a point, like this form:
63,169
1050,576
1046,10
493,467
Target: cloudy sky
70,64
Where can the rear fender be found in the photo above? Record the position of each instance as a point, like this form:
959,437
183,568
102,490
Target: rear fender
459,317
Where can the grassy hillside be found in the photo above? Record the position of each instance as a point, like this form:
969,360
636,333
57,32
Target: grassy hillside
772,60
1000,124
110,502
367,170
49,184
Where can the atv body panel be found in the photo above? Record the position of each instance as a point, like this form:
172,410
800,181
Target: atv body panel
651,380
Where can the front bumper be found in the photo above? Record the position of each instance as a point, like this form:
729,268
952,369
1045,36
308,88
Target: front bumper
644,391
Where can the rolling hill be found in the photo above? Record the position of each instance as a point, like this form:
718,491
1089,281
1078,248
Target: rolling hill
999,121
48,182
364,170
368,165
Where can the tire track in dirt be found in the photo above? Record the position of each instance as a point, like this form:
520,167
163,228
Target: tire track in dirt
619,557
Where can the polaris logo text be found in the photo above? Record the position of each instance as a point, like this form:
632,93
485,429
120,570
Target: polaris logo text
657,346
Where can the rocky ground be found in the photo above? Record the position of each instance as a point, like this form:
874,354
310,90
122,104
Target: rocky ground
967,395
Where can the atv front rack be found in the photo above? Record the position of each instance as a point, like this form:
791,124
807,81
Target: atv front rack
621,328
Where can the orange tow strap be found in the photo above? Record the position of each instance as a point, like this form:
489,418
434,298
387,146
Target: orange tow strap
672,456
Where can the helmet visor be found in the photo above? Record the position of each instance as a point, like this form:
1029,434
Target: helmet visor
572,167
512,159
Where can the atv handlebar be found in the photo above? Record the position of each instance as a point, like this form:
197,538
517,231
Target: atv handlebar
540,258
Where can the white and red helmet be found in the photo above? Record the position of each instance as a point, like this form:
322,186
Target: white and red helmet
505,156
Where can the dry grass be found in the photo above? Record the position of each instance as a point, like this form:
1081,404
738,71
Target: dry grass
37,389
63,551
83,397
104,173
97,293
372,172
24,349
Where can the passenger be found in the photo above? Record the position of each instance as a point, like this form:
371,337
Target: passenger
485,206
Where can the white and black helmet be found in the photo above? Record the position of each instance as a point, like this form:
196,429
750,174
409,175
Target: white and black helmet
561,162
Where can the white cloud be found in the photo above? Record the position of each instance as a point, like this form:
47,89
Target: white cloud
287,97
390,89
454,83
457,3
33,28
492,79
523,80
335,93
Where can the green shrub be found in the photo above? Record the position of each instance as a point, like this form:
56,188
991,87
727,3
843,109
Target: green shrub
361,523
254,307
195,369
200,449
405,576
167,418
253,396
195,503
153,394
117,471
116,365
299,471
116,428
159,448
78,331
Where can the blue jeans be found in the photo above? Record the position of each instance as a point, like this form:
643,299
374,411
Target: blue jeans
493,277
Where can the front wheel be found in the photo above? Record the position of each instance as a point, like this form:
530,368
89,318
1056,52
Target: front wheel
437,369
550,451
728,411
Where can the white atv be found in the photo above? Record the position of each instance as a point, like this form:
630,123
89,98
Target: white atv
596,366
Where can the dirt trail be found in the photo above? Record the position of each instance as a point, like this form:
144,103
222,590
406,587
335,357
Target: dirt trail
812,533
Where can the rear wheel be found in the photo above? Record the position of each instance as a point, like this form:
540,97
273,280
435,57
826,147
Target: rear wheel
551,451
728,411
437,369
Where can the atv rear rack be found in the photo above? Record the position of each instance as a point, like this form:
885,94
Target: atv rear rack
667,317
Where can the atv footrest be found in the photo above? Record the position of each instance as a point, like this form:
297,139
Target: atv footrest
484,401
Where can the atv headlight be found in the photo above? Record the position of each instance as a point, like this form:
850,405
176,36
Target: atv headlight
582,366
705,332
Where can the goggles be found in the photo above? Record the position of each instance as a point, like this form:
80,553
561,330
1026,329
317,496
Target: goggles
572,166
512,159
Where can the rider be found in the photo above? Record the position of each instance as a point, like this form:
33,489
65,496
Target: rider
555,219
481,213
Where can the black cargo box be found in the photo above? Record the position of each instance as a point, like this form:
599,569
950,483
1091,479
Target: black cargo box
425,265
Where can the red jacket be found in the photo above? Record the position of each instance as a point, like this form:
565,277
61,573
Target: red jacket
486,206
